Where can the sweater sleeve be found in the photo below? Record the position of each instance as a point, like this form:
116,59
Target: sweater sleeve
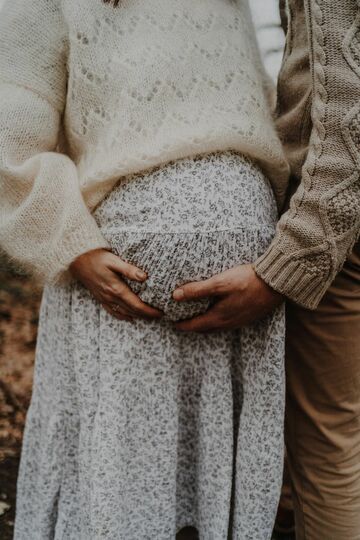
44,221
317,233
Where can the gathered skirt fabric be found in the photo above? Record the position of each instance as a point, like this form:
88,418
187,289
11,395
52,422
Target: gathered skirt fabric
136,430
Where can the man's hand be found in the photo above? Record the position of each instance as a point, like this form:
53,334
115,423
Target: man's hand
242,298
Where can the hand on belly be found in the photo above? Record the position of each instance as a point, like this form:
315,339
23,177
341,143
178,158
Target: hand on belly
103,274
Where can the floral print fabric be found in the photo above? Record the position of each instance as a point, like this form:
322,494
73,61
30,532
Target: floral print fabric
137,430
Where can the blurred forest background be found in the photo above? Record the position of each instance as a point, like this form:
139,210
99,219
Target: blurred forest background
19,307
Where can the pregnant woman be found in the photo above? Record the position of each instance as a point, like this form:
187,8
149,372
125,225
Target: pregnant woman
137,154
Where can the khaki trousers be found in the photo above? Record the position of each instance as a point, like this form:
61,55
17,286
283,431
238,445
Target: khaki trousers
323,410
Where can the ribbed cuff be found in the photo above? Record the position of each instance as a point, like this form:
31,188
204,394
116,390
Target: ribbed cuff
75,243
290,277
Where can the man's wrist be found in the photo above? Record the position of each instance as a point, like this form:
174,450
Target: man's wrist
272,290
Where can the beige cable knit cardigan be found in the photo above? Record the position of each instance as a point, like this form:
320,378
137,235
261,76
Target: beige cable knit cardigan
318,232
123,90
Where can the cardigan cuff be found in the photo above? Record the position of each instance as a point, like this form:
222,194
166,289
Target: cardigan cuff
86,237
291,277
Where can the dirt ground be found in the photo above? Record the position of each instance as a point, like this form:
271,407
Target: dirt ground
19,307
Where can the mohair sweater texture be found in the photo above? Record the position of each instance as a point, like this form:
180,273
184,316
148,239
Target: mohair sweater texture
319,125
89,93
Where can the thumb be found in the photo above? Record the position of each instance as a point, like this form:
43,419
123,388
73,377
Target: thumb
197,289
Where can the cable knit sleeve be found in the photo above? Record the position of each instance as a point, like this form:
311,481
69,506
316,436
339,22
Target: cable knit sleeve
319,230
44,222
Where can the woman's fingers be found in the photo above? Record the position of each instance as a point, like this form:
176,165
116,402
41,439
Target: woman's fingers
117,305
139,308
118,312
123,295
100,271
125,269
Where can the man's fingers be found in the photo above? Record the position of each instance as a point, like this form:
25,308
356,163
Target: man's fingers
198,289
208,322
126,269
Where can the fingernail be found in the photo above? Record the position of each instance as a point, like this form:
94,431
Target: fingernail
140,274
178,294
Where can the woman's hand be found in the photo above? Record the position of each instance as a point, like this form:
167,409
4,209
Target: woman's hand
99,271
241,298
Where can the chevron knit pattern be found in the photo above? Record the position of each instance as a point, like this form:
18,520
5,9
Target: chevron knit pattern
121,90
318,232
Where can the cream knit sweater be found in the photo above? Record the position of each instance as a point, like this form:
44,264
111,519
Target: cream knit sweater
118,91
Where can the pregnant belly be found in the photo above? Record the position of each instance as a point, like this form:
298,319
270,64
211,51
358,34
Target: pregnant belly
187,221
171,260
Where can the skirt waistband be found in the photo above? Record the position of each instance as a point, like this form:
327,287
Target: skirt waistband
219,191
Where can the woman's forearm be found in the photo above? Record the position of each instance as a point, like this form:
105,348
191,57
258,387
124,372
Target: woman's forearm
44,222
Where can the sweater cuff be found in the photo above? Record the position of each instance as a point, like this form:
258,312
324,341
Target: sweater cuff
84,238
291,277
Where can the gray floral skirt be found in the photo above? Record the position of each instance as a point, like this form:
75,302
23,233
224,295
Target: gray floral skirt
137,430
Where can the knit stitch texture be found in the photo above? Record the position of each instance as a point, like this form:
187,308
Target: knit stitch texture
118,91
323,223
